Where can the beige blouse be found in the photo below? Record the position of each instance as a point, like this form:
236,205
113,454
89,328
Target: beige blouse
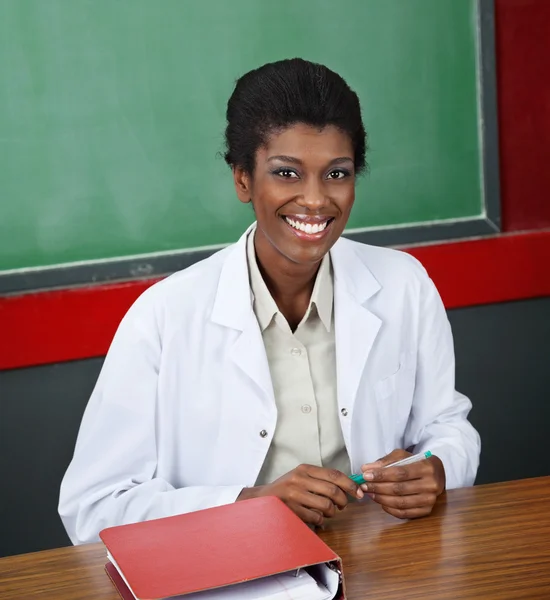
303,373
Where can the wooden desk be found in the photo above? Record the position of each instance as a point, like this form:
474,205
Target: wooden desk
483,542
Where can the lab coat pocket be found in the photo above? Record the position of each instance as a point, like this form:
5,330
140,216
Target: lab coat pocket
394,395
386,387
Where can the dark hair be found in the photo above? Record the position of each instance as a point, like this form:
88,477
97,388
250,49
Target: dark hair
280,94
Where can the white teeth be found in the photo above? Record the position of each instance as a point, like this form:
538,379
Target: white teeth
307,227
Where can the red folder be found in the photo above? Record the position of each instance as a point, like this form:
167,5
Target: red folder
213,548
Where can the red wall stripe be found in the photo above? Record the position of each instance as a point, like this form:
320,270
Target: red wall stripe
484,271
61,325
523,81
56,326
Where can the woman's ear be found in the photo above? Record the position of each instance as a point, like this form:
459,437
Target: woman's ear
243,184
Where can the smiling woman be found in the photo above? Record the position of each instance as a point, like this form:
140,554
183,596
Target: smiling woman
283,363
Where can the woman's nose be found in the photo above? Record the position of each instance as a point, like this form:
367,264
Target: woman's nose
313,197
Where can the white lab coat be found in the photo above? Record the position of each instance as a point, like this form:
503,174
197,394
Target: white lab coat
178,419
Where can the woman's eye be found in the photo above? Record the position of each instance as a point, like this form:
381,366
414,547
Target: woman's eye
338,174
287,173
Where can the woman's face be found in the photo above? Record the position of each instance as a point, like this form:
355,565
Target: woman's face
302,190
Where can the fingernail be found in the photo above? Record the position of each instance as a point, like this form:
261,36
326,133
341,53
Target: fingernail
365,487
369,475
371,496
360,493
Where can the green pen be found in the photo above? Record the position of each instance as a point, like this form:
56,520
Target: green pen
358,477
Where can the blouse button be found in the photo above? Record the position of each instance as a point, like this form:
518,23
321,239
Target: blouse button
344,412
263,433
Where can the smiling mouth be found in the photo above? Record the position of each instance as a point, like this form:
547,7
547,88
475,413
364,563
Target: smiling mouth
309,227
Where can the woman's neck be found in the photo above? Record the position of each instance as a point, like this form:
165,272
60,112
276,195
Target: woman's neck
290,284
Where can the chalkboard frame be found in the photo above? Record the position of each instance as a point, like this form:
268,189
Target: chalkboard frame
160,264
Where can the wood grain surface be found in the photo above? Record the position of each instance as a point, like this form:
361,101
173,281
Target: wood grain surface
485,542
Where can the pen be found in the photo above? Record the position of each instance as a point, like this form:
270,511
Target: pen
358,477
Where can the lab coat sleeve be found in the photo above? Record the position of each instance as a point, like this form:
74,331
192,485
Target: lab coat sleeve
112,477
439,417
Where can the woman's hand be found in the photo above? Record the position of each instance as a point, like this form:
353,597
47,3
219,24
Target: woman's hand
406,492
313,493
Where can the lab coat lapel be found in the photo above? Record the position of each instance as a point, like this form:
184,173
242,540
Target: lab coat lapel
233,309
248,353
356,327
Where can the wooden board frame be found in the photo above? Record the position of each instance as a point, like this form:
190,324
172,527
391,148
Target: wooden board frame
159,264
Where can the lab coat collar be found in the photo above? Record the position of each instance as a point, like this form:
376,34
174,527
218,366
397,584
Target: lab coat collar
233,304
351,273
265,307
234,300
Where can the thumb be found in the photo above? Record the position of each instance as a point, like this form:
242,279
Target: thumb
373,465
390,458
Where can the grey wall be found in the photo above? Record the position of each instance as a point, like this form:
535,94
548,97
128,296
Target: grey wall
503,364
40,412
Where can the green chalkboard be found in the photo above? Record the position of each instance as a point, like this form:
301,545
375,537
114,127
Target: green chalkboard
112,114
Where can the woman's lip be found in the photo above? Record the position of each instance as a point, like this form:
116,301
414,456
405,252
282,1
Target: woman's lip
311,219
310,236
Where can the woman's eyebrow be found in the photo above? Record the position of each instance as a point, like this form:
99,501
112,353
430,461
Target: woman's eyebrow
340,160
297,161
282,158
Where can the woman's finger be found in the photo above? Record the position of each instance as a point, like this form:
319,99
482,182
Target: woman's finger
336,478
390,458
401,488
313,501
404,503
312,517
327,490
410,513
416,470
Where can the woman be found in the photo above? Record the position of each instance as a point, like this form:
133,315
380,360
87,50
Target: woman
284,362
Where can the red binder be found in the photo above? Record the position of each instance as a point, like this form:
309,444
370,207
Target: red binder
213,548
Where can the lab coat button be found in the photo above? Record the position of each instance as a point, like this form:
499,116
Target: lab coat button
306,408
296,352
344,412
263,433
